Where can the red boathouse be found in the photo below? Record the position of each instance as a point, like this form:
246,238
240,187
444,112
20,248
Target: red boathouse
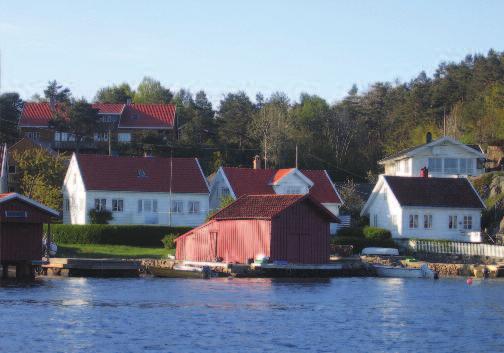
21,228
293,228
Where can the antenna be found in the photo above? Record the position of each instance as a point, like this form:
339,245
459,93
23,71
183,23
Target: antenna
171,177
296,156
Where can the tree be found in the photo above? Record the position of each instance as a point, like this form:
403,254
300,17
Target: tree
151,91
115,94
10,108
353,200
41,175
57,93
79,119
235,114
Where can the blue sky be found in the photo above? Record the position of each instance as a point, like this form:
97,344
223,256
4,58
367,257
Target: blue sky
320,47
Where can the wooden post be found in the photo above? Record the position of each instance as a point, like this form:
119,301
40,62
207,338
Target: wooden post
48,246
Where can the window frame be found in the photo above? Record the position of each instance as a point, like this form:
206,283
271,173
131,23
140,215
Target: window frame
452,222
100,204
467,222
432,168
191,209
177,206
413,221
117,205
427,221
453,169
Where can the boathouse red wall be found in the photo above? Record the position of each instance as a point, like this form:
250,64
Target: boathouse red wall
21,236
298,234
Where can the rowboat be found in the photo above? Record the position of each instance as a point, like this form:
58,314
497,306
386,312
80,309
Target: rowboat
404,272
181,271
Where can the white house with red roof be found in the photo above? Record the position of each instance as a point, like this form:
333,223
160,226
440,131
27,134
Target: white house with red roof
237,182
137,190
125,120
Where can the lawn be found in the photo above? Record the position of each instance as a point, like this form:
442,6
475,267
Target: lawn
110,251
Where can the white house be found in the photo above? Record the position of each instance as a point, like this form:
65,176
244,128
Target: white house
137,190
444,157
237,182
431,208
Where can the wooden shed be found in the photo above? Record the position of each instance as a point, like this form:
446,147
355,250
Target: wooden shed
292,228
21,228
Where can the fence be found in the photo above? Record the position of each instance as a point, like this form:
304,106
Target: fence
459,248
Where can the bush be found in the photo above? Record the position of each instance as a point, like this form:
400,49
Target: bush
354,232
133,235
360,243
169,241
100,216
375,233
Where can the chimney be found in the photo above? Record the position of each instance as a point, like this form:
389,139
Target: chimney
428,137
257,162
424,172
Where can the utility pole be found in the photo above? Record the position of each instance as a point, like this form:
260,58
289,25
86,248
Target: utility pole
109,142
170,198
296,156
265,154
444,121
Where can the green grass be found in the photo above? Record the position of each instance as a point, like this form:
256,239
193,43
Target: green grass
111,251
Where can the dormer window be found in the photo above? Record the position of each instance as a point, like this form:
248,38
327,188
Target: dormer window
141,173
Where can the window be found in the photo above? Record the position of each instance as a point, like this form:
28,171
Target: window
141,173
413,221
100,204
375,220
124,137
293,190
451,165
67,204
452,222
467,222
194,207
12,169
147,206
117,205
427,221
466,166
435,165
16,214
34,135
177,206
224,191
101,137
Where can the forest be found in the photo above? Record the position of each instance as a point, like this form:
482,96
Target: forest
347,137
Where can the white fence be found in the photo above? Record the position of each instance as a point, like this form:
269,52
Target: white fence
453,247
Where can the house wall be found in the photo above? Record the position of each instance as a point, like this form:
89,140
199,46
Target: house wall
233,240
131,215
384,209
300,234
74,196
217,187
291,182
421,159
440,229
46,134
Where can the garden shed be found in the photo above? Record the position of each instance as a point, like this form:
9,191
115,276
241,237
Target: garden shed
292,228
21,228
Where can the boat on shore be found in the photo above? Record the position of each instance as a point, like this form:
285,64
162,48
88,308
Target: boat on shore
181,271
404,272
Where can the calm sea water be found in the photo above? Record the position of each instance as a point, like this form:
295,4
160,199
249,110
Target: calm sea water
252,315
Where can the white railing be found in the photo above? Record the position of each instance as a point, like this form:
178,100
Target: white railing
458,248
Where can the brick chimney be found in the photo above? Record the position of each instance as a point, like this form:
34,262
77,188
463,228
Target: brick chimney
256,164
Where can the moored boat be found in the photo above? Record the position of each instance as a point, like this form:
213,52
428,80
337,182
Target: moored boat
181,271
404,272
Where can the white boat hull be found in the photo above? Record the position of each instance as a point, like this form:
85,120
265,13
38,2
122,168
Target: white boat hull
404,272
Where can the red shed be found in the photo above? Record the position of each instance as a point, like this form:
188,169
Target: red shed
21,227
294,228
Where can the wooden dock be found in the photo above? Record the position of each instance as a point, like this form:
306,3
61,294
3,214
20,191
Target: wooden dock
81,267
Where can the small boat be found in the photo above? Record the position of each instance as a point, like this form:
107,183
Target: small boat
404,272
380,252
181,271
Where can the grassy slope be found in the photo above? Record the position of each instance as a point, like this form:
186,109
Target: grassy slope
110,251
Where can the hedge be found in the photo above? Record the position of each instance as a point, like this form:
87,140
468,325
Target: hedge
360,243
375,233
133,235
354,232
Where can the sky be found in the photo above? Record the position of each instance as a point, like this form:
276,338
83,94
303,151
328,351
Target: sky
315,46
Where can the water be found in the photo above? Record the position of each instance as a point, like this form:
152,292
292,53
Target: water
252,315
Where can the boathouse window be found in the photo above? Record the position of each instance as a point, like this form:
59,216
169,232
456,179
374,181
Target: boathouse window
413,221
467,222
452,222
427,221
117,205
194,207
177,206
100,204
436,165
16,214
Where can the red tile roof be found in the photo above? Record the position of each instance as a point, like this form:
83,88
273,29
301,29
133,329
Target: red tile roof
160,116
266,207
125,174
247,181
148,116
